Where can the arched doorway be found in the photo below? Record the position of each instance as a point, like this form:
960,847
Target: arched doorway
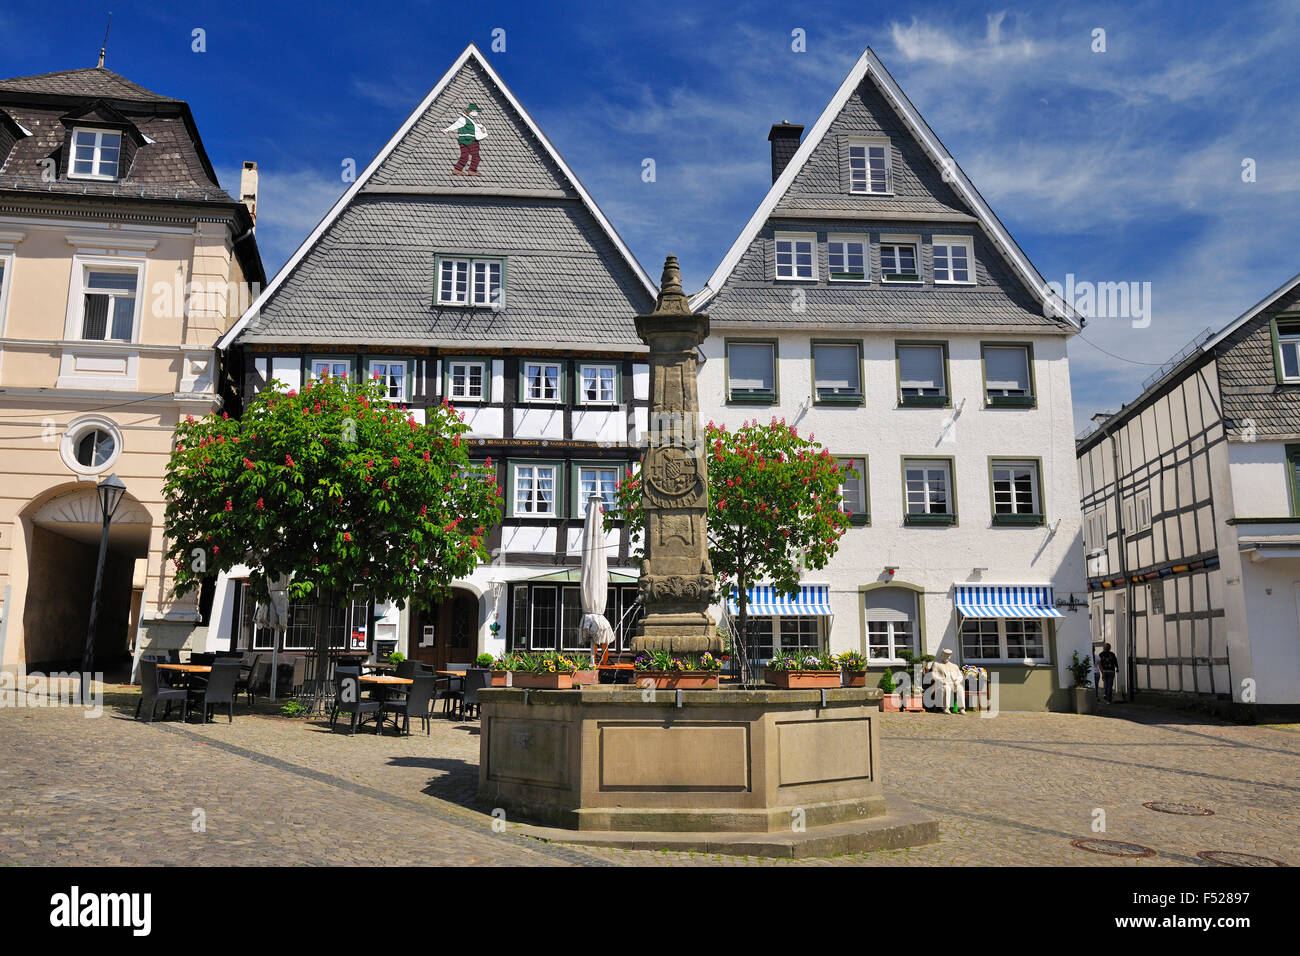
445,632
63,548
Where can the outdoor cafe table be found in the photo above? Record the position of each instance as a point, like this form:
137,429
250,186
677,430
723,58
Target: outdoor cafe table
384,681
187,668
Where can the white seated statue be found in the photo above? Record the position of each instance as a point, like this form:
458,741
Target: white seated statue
948,681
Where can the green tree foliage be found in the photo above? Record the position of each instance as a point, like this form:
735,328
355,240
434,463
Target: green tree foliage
333,485
774,507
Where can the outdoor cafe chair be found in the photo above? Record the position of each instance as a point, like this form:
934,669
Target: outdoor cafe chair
154,693
416,703
347,697
247,674
220,689
475,681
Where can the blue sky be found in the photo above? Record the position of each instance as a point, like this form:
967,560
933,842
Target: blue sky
1122,165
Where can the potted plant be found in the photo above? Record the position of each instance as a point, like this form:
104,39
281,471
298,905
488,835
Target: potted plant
502,670
586,672
803,670
890,702
484,662
976,680
547,671
666,672
396,657
1081,671
853,669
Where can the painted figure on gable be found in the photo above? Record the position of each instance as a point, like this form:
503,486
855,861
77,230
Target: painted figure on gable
468,132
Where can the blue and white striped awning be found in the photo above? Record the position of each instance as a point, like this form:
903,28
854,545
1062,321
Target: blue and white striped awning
1005,600
813,600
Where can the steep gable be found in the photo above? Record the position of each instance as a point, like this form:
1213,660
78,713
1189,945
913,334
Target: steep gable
1254,401
368,271
928,196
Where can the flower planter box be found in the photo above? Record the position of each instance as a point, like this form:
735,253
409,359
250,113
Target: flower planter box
913,703
800,680
501,678
891,703
853,678
678,680
542,681
586,677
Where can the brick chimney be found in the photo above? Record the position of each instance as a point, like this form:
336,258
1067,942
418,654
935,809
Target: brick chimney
785,141
248,189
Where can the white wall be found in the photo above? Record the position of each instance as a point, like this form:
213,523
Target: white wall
934,558
1260,484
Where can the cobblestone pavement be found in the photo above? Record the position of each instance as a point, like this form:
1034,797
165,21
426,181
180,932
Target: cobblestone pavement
1015,789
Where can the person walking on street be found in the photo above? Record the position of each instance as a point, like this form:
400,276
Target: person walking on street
1109,665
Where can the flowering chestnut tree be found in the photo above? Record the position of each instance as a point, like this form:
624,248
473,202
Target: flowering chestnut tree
334,486
774,507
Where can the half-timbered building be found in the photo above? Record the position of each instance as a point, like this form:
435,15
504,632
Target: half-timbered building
1191,510
468,264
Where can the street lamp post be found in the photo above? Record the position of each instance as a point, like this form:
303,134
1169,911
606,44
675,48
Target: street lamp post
110,492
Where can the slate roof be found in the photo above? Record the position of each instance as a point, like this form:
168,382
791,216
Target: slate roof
367,274
370,278
823,180
752,298
173,166
92,82
930,195
1247,380
511,155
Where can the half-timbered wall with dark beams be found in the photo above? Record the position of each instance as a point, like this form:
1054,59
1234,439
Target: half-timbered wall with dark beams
1150,537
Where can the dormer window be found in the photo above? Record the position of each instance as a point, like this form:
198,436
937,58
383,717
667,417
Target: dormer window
96,154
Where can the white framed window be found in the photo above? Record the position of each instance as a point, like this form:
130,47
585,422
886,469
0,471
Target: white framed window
1008,639
541,381
846,259
1137,510
91,445
837,370
597,385
1288,347
596,480
476,282
796,256
1006,373
890,615
922,372
954,260
330,368
96,154
1015,488
928,487
5,269
853,491
869,167
467,381
535,490
776,636
109,302
1156,597
899,262
393,376
751,371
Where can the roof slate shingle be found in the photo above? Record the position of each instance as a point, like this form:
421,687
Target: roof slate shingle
1252,398
92,82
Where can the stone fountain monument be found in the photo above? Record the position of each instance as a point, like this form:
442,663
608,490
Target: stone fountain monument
758,772
676,577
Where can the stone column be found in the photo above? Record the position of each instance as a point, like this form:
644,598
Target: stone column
676,575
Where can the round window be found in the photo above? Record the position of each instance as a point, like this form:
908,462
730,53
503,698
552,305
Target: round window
95,448
91,445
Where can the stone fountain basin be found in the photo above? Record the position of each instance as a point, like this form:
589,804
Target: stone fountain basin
622,759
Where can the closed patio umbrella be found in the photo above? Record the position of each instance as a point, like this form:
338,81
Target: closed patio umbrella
595,578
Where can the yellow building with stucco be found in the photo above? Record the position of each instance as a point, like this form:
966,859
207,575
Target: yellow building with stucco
121,262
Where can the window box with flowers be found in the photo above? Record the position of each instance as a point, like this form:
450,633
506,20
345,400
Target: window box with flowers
802,671
548,671
665,672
